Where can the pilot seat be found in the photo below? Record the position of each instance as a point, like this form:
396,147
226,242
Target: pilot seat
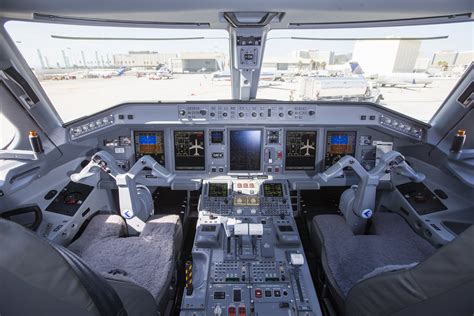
103,272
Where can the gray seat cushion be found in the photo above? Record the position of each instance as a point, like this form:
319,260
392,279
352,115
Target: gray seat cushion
147,260
350,258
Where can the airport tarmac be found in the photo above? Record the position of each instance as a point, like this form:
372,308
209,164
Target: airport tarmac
76,98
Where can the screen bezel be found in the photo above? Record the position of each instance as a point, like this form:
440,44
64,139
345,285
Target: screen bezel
326,148
316,134
229,131
150,131
173,133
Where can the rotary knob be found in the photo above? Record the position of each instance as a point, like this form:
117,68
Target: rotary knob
311,113
241,114
182,112
203,112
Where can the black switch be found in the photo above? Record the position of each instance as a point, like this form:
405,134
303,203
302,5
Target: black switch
130,116
363,117
372,117
219,295
268,293
237,296
121,116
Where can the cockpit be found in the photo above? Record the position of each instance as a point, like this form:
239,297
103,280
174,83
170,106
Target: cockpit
181,158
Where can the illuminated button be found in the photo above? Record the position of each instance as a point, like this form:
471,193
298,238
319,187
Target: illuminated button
231,311
242,311
253,211
251,185
246,185
239,185
258,293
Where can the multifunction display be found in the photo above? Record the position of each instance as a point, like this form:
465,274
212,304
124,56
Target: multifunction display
300,150
338,144
189,150
150,143
272,190
217,189
245,150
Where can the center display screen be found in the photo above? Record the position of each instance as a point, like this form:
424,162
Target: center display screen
300,150
189,151
245,150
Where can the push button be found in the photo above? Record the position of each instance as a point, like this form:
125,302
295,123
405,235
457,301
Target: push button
258,293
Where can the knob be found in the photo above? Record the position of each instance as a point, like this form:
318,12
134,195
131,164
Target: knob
203,112
280,114
241,114
290,113
254,114
182,112
224,114
212,114
311,113
217,310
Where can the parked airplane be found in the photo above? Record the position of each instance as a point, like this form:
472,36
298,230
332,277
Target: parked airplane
105,73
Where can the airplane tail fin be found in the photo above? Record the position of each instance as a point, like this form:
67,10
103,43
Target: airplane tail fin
356,69
121,70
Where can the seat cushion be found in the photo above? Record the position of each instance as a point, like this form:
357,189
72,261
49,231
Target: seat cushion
147,260
350,258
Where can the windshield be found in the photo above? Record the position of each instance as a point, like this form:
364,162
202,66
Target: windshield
86,69
409,69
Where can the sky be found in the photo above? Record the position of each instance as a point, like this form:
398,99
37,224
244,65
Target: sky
31,36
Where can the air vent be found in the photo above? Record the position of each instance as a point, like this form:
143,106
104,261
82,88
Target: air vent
467,97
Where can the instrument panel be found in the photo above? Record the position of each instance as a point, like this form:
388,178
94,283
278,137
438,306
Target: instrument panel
250,150
282,141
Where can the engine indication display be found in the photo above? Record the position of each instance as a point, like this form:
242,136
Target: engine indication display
189,150
272,190
338,144
217,190
149,143
300,150
245,150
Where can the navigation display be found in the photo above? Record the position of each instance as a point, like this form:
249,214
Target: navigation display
217,190
189,151
245,150
338,144
150,143
272,190
300,150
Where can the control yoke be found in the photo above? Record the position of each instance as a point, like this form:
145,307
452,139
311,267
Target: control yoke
360,200
136,203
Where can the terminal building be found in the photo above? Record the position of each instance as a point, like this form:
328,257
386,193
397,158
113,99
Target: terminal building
386,56
191,62
142,59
